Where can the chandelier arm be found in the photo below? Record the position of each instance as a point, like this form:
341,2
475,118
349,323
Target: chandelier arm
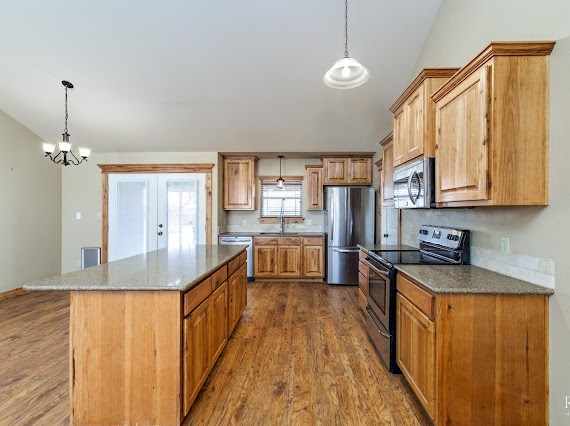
76,163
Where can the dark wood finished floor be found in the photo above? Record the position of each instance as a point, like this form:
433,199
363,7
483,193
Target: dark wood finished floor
299,355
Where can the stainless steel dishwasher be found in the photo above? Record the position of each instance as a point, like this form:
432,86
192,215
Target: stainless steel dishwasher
235,240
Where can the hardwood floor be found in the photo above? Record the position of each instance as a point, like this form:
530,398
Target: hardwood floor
299,355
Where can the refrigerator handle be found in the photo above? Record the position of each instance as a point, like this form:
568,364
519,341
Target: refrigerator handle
331,219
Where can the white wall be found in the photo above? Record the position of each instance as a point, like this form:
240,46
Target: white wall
30,211
461,29
82,187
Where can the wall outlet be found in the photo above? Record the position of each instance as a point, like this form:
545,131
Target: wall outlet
78,263
99,215
505,245
244,222
78,215
308,222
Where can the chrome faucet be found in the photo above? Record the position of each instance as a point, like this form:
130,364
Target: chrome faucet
282,219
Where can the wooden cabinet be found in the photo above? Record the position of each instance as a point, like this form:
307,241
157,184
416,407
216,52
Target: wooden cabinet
243,288
492,129
416,351
219,329
387,173
414,116
237,296
197,355
474,358
314,187
289,257
239,183
362,280
347,170
313,259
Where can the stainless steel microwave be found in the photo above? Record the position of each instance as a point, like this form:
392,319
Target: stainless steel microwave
414,185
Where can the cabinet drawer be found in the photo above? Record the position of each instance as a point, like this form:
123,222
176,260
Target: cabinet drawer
233,265
289,241
363,268
362,300
363,255
313,241
423,300
219,277
243,258
197,295
265,240
363,284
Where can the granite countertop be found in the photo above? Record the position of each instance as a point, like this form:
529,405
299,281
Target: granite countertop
165,269
465,279
368,247
272,234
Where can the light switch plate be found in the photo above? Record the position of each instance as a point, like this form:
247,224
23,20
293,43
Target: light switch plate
244,222
505,245
78,215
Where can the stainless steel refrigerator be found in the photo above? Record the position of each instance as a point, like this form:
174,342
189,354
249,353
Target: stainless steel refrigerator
349,220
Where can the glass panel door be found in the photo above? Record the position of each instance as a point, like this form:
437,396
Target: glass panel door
132,215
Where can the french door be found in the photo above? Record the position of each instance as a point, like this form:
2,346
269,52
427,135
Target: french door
149,211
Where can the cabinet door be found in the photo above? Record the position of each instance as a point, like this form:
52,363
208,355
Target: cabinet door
400,135
462,141
239,184
360,171
313,261
266,261
315,188
414,110
335,170
289,261
233,301
243,288
388,175
197,357
415,351
219,329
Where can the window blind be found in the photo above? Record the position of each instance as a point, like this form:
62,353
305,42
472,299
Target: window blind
273,198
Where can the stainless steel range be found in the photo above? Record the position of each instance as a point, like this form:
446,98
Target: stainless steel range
438,246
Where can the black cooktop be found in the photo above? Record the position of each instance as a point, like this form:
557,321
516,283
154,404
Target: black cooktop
407,257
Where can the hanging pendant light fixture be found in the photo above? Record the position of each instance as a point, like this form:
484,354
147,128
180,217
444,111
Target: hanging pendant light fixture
65,156
280,181
346,73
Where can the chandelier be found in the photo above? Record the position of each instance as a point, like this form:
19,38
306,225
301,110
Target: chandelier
65,156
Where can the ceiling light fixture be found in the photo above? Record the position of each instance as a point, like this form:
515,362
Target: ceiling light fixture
65,146
280,181
346,73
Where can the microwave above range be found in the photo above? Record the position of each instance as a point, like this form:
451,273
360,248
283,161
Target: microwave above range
414,185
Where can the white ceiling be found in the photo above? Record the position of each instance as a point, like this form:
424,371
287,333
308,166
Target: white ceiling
207,75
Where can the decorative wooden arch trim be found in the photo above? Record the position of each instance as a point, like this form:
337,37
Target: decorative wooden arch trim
107,169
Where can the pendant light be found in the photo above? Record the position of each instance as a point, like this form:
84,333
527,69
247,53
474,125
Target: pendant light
280,181
346,73
65,156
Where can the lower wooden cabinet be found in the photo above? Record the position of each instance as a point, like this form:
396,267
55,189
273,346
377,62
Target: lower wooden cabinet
477,359
416,351
289,257
219,329
237,296
197,353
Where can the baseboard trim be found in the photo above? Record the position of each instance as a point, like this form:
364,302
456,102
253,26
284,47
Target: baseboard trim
12,293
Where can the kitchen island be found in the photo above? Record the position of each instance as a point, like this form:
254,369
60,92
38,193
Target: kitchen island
145,331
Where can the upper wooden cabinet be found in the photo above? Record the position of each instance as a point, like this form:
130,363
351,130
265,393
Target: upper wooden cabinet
492,129
414,116
314,187
347,170
239,183
387,173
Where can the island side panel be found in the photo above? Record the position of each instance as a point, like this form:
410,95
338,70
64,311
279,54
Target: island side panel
125,357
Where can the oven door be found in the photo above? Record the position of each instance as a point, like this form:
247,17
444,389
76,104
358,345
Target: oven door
379,291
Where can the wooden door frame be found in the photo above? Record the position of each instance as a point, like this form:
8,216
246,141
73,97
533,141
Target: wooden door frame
107,169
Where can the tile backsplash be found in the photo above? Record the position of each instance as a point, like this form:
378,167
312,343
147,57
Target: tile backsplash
292,227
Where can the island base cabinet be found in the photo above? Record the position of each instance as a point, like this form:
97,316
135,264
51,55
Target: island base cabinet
237,286
219,334
120,344
197,351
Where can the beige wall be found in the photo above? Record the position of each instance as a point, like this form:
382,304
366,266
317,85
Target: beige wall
30,211
461,29
82,193
270,167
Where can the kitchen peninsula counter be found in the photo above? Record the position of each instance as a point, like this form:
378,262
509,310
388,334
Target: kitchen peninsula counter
145,331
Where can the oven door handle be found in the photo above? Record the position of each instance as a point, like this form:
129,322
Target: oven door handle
369,312
375,269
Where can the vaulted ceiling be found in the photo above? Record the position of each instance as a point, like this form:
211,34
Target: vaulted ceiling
207,75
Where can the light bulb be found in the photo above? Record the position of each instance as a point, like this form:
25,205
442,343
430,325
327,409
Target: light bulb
64,146
84,152
346,72
48,147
